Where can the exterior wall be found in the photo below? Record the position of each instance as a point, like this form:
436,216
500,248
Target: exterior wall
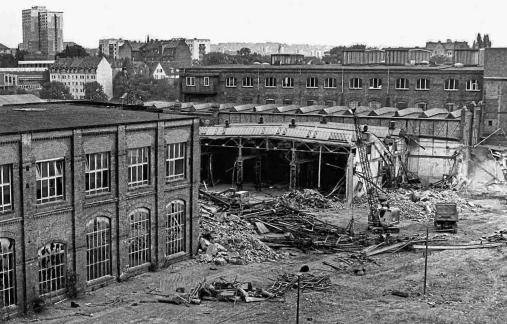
495,93
75,79
388,95
105,77
198,47
8,80
33,225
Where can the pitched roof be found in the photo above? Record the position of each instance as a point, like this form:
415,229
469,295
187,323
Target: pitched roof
19,99
89,62
3,47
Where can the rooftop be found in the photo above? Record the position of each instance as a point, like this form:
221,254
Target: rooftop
327,67
89,62
70,115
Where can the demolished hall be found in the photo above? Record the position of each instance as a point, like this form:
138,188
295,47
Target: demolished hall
317,150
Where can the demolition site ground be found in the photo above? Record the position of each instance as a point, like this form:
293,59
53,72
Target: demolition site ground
463,285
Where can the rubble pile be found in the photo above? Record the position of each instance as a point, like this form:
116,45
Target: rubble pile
226,238
420,204
305,199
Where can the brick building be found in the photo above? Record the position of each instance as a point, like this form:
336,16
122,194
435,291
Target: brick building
174,50
362,85
89,195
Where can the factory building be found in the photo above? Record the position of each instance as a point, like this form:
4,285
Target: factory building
90,195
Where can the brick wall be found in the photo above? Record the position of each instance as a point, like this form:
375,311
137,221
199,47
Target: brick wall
32,226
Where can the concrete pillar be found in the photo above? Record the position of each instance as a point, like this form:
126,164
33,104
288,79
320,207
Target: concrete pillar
293,168
349,180
239,167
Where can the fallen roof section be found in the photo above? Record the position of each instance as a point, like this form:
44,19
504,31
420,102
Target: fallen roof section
329,133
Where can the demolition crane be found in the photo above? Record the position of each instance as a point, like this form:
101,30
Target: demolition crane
380,214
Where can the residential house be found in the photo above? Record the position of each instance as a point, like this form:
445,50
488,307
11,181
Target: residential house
174,50
76,72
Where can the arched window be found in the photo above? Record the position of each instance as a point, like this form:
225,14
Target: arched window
98,248
270,82
287,82
247,82
329,83
7,273
175,228
51,268
139,237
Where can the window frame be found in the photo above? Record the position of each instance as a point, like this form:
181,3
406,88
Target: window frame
139,237
138,165
312,82
269,101
288,83
270,82
104,172
175,228
6,187
40,179
422,103
419,83
330,83
54,274
228,82
245,84
356,84
171,162
405,82
101,236
449,82
375,84
205,81
8,253
472,85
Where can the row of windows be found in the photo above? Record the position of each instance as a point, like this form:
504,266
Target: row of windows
50,179
52,257
329,83
72,76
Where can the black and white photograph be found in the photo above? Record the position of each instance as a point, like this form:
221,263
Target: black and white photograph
230,161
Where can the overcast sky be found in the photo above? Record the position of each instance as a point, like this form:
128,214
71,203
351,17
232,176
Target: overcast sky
338,22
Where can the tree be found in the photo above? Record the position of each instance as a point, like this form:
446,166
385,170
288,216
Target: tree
20,55
7,60
73,51
55,90
486,42
95,92
479,42
245,51
438,59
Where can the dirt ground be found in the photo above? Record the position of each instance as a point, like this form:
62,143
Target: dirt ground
466,286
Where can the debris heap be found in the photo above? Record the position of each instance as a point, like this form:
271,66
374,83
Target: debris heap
305,199
420,204
226,238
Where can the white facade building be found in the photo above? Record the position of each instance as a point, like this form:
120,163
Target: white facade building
76,72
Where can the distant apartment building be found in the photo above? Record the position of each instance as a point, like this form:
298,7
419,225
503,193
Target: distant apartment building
76,72
42,31
115,48
198,47
173,50
446,48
